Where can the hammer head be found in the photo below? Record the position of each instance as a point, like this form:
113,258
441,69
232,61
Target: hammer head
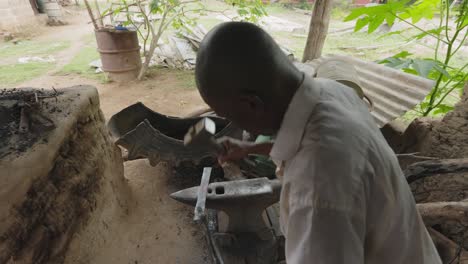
201,133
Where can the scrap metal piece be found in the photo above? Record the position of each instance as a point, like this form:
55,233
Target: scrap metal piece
392,91
243,201
199,212
148,134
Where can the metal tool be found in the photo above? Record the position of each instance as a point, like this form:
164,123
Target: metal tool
247,235
199,212
202,134
243,201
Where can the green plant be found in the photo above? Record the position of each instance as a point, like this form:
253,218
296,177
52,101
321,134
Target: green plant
340,9
17,73
301,4
448,41
176,14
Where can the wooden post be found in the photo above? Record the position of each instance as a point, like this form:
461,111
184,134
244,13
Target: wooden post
34,6
318,29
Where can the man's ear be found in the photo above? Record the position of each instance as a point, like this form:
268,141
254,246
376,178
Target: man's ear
253,104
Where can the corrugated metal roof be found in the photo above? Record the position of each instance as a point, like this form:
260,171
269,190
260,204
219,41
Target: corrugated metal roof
393,92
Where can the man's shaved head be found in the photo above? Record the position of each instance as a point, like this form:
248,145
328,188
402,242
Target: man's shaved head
239,65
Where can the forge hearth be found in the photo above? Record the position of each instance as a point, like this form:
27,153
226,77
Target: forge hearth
57,166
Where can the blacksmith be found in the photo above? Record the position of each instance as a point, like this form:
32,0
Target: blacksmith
345,199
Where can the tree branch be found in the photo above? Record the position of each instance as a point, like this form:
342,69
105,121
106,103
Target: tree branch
461,42
419,28
441,20
447,15
451,89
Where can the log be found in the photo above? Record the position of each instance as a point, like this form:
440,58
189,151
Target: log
450,217
448,250
408,159
438,180
444,212
433,167
440,190
317,30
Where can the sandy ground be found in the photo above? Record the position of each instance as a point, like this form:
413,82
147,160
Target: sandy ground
158,229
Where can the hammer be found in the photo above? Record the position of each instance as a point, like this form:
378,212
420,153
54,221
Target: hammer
202,133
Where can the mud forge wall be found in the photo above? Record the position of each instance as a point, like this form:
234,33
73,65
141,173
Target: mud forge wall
434,153
58,168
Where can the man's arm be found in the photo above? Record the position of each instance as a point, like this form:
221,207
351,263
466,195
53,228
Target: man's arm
237,149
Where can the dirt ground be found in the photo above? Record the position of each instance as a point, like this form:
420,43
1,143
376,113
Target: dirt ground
158,230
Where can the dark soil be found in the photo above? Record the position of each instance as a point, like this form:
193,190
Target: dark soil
37,105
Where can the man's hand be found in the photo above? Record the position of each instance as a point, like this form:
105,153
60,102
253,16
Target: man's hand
237,149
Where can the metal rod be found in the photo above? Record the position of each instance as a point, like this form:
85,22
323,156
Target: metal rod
199,212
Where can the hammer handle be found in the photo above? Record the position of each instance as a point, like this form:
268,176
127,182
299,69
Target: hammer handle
231,170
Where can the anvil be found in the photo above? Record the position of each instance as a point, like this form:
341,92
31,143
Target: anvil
243,201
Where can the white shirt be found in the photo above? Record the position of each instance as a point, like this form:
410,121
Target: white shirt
344,197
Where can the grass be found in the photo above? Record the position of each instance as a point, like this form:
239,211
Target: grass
185,78
281,9
359,44
209,22
339,13
18,73
80,64
292,42
31,48
12,73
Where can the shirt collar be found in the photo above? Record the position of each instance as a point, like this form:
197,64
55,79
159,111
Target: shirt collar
289,136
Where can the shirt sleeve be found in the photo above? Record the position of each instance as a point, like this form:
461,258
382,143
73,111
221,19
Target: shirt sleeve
326,216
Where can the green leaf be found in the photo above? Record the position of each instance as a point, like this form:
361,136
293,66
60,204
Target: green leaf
435,31
402,54
154,5
355,13
423,67
360,23
390,18
106,11
443,109
465,21
397,63
242,12
410,71
441,70
424,105
375,23
399,32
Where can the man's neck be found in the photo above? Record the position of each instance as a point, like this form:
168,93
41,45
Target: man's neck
285,99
